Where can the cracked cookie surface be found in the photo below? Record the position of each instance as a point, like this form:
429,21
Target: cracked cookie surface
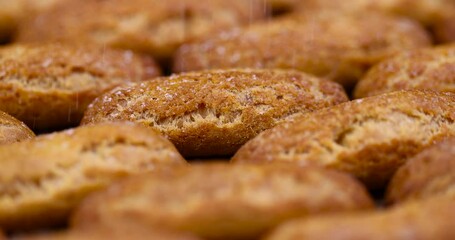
369,138
42,180
211,113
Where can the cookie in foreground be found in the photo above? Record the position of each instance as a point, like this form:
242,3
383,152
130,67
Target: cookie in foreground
222,201
369,138
13,130
429,173
151,26
430,68
49,86
423,220
331,45
43,179
213,113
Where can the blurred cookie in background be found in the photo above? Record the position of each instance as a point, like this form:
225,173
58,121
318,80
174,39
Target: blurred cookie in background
424,220
437,15
48,86
369,138
151,26
222,201
331,45
119,232
428,174
13,130
432,69
43,179
213,113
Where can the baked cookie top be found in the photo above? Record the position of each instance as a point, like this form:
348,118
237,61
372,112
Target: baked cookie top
429,219
432,68
214,112
152,26
223,201
369,138
337,46
42,180
430,173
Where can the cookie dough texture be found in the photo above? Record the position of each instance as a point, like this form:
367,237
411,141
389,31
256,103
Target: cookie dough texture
214,112
423,220
152,26
42,180
369,138
336,46
432,68
222,201
13,130
430,173
49,86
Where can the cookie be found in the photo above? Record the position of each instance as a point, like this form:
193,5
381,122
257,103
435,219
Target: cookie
222,201
213,113
152,26
13,130
336,46
369,138
426,220
49,86
42,180
430,173
116,233
432,68
436,15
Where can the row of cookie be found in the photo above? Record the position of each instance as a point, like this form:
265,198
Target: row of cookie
436,15
222,201
67,78
43,179
151,26
205,115
329,44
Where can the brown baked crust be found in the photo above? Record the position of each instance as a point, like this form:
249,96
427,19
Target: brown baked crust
369,138
13,130
223,201
153,26
436,15
423,220
43,179
432,68
336,46
49,86
112,233
215,112
429,173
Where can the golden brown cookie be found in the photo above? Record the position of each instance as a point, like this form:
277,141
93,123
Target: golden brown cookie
49,86
13,130
432,68
215,112
437,15
430,173
119,232
336,46
42,180
369,138
222,201
152,26
426,220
